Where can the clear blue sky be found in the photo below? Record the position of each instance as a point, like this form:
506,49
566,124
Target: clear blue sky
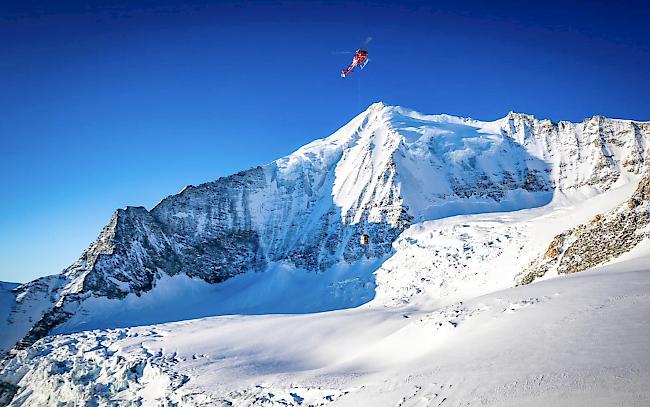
103,107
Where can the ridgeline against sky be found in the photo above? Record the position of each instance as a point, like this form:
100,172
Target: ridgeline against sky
107,107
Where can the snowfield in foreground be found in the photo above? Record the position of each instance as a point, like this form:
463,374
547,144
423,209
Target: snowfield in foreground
572,340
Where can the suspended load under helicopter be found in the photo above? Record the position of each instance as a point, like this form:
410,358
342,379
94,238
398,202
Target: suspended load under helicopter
360,59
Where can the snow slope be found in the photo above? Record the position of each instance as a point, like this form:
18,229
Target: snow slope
280,289
575,340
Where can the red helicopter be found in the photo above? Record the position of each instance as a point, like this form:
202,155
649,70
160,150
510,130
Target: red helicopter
360,59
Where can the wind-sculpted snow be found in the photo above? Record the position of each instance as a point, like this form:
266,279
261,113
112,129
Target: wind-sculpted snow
576,340
387,169
280,289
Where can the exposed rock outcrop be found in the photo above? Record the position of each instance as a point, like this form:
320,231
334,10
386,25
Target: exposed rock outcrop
602,239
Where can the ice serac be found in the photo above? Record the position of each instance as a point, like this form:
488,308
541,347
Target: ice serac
386,169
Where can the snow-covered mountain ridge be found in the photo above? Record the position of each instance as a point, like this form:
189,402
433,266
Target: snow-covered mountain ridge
387,169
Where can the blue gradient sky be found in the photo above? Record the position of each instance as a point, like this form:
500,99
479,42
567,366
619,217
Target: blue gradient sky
106,107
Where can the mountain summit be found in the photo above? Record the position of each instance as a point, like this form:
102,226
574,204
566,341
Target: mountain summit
386,170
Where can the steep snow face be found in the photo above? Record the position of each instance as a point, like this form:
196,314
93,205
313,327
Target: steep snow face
385,170
448,165
289,209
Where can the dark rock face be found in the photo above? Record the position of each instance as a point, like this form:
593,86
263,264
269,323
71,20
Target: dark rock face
131,250
209,227
137,245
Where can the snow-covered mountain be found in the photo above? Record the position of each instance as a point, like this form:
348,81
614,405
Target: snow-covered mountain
454,208
387,168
